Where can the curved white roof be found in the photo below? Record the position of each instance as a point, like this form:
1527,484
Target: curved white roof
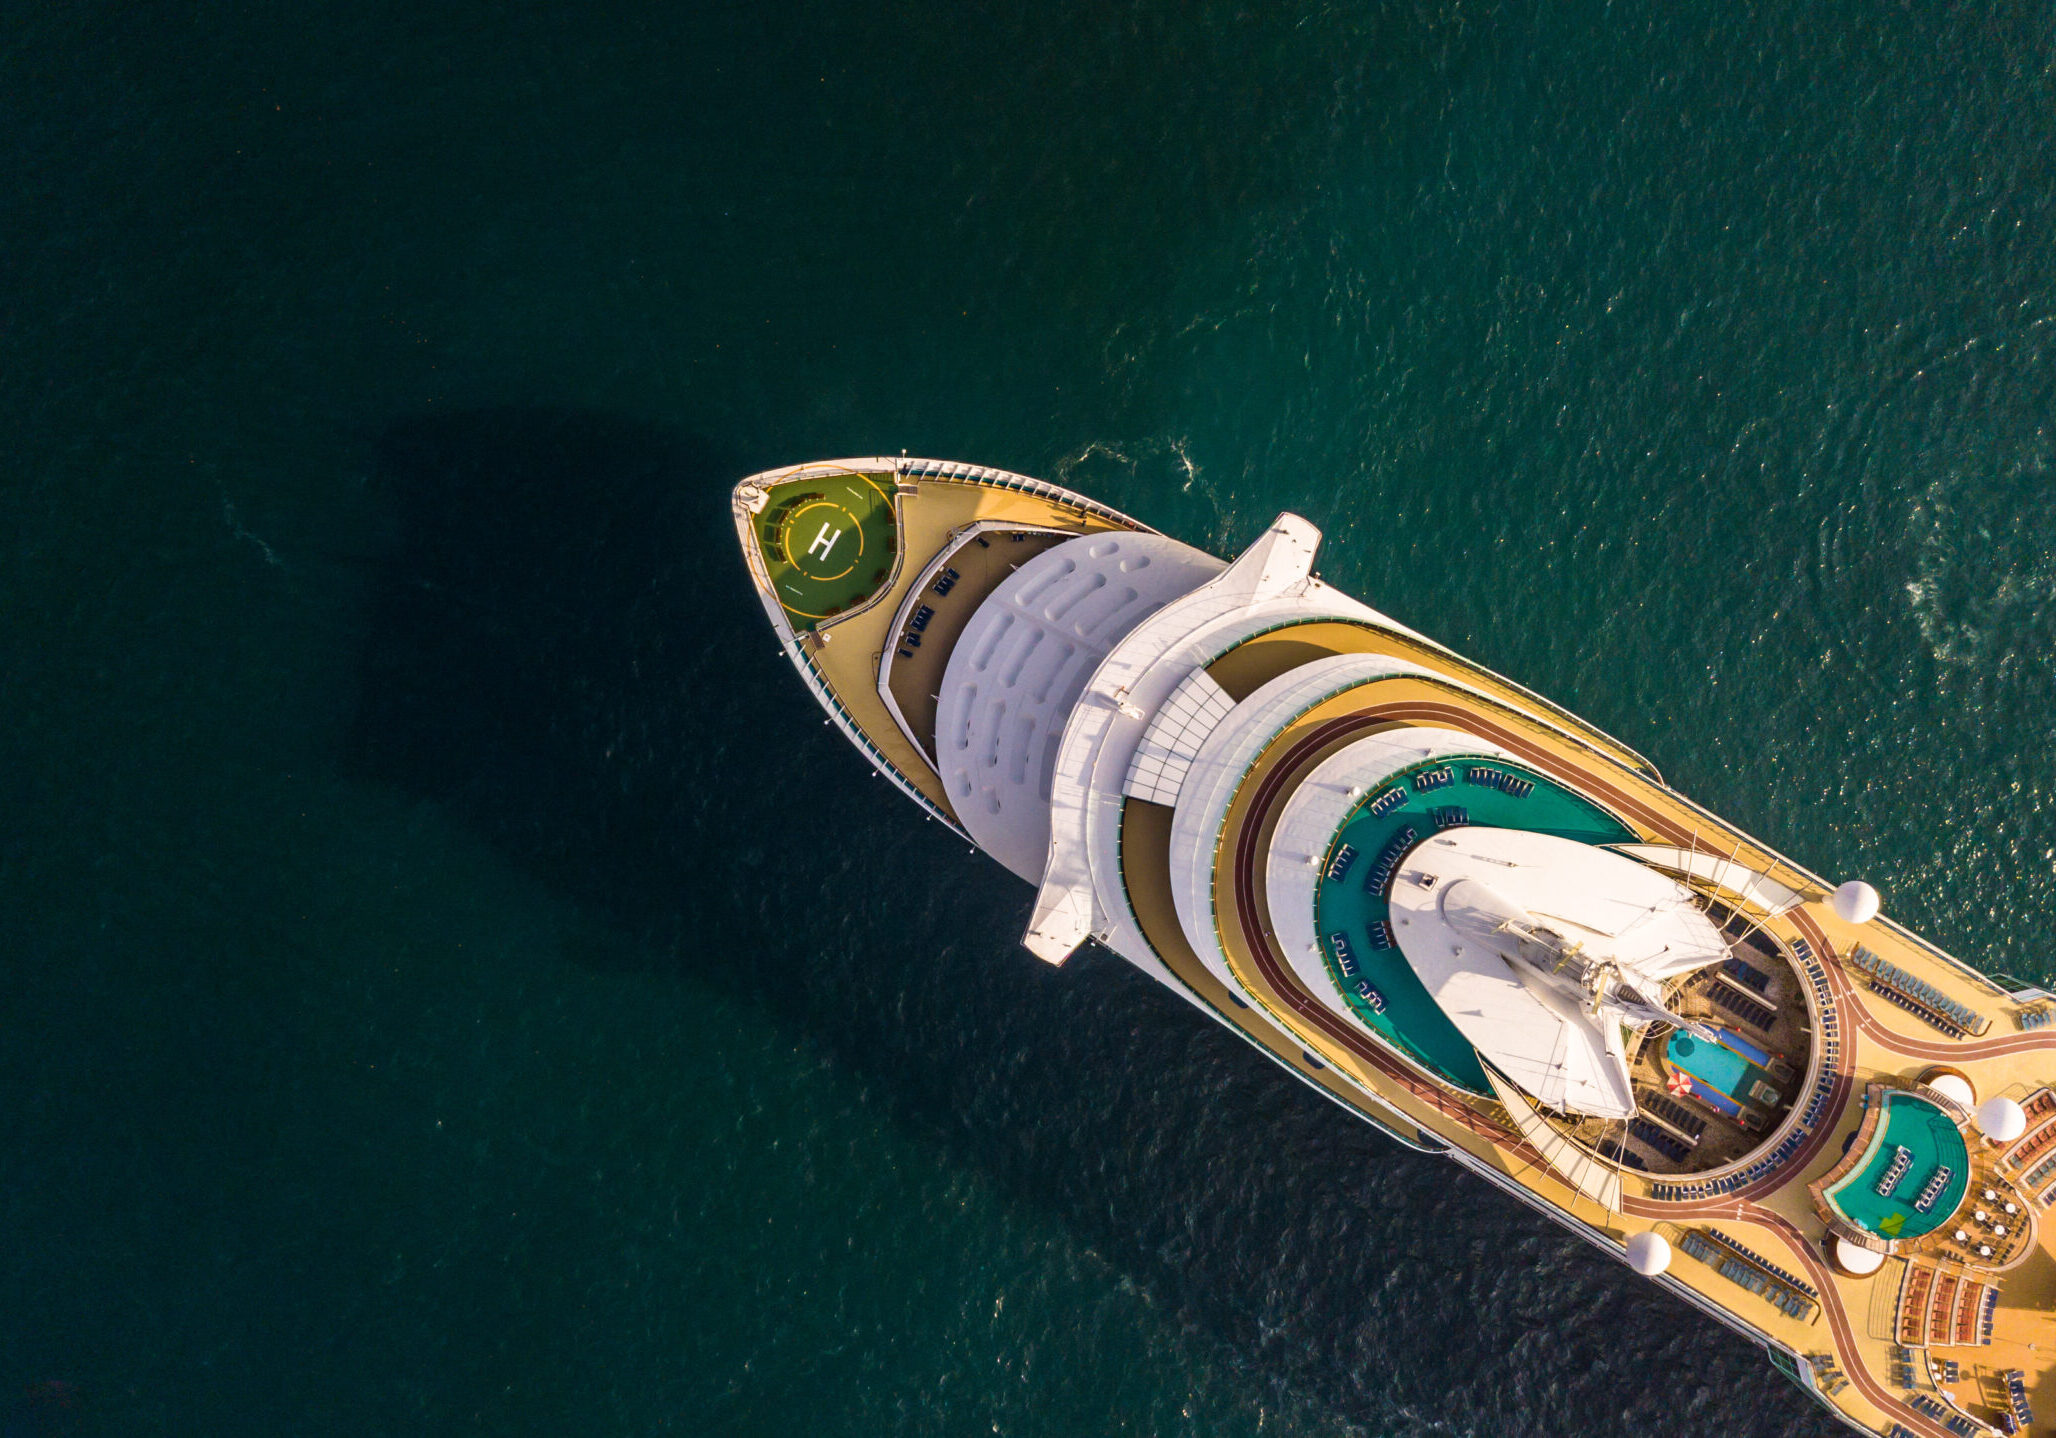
2000,1119
1081,887
1268,585
1018,669
1452,901
1571,1160
1224,759
1854,902
1649,1252
1307,825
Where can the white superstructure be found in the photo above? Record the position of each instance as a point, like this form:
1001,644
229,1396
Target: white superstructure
1548,954
1451,906
1017,671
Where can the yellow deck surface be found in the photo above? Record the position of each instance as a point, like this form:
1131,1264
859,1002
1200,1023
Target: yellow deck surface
1879,1040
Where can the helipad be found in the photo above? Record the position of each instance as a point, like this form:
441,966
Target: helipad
828,542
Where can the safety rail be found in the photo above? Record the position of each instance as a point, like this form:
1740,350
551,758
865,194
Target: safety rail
1020,483
1824,1000
847,722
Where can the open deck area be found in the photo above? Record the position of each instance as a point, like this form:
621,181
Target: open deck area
1820,1013
1956,1325
1708,1106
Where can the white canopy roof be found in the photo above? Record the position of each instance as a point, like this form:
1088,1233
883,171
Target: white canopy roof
1583,1172
1018,669
1751,886
1538,947
1307,825
1081,890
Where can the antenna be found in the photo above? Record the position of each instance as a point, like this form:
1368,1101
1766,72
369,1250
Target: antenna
1620,1171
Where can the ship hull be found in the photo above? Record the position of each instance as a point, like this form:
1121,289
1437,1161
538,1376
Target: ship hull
1149,735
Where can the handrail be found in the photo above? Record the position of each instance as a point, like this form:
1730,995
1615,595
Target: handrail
848,724
1007,479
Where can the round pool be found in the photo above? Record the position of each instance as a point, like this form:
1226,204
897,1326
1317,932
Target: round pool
1912,1175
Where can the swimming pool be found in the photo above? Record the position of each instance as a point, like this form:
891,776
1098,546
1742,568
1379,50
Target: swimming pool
1728,1076
1715,1065
1933,1143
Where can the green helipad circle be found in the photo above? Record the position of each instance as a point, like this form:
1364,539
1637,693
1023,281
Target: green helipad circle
823,540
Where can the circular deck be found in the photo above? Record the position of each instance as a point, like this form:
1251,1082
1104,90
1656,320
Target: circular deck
829,542
1910,1178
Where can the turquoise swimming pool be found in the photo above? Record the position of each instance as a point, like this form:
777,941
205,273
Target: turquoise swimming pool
1712,1064
1935,1168
1728,1076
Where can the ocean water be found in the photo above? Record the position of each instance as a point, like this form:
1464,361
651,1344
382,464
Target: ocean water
452,980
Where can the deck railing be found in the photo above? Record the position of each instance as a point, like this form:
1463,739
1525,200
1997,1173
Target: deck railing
1020,483
847,722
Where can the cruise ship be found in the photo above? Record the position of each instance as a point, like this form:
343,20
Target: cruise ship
1459,911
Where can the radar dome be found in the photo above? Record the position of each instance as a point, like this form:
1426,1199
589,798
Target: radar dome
1855,902
2001,1120
1648,1254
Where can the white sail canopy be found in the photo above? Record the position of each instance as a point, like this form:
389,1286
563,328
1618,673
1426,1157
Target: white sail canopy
1543,951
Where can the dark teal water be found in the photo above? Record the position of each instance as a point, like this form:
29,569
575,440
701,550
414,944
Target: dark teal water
451,980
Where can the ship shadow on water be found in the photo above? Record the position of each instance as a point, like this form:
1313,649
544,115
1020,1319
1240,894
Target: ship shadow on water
564,653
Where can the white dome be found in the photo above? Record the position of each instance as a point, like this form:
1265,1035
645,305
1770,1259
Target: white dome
1857,1260
1954,1086
2001,1120
1855,902
1648,1253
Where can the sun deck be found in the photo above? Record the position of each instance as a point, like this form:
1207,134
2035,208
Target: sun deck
1759,1261
1708,1107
